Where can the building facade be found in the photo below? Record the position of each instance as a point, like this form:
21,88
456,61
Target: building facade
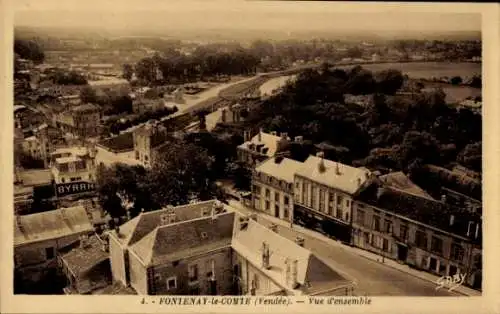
323,195
82,121
272,187
203,249
148,140
391,225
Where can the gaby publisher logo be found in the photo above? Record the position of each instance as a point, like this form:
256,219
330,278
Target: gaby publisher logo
450,282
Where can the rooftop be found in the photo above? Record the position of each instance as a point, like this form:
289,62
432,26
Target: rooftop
280,168
157,243
186,238
138,227
269,142
81,259
50,225
64,160
73,151
424,210
114,81
85,107
122,142
334,174
400,181
37,177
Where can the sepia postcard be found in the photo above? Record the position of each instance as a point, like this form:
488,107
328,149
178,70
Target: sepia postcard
247,156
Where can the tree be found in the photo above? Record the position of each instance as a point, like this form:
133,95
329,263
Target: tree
128,71
456,80
88,95
30,50
476,82
389,81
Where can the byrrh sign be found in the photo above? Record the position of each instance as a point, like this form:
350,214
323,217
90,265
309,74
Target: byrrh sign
64,189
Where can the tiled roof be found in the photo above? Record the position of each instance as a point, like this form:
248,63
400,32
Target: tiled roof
35,177
268,140
85,107
179,240
400,181
423,210
460,183
79,260
280,168
51,225
348,179
138,227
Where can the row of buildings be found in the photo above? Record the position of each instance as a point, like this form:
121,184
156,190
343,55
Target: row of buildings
203,248
386,214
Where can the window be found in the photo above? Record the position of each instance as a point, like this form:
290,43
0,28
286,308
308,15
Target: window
210,266
437,245
277,209
360,217
457,252
175,263
376,223
285,213
421,239
276,197
204,235
339,200
321,200
339,213
453,270
403,232
256,189
268,193
268,205
49,253
255,282
63,180
286,200
432,264
172,283
193,273
385,245
388,226
305,191
347,203
313,196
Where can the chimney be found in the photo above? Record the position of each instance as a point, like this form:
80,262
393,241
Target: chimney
477,231
83,241
260,135
321,165
337,169
452,220
265,256
246,136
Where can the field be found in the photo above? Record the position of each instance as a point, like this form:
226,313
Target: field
428,70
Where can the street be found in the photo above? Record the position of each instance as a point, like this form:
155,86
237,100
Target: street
372,278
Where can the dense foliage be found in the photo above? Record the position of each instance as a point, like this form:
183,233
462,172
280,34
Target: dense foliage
29,50
392,132
184,172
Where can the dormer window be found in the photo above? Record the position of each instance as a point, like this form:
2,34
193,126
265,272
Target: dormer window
204,235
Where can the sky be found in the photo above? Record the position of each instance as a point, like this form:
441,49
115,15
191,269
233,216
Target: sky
240,15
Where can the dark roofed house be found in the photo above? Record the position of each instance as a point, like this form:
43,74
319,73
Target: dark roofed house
202,248
39,237
427,234
86,266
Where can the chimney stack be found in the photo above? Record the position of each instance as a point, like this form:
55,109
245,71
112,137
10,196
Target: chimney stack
443,198
260,135
468,228
477,231
265,255
243,223
321,165
337,169
452,220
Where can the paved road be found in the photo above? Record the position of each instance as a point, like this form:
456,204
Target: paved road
373,278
